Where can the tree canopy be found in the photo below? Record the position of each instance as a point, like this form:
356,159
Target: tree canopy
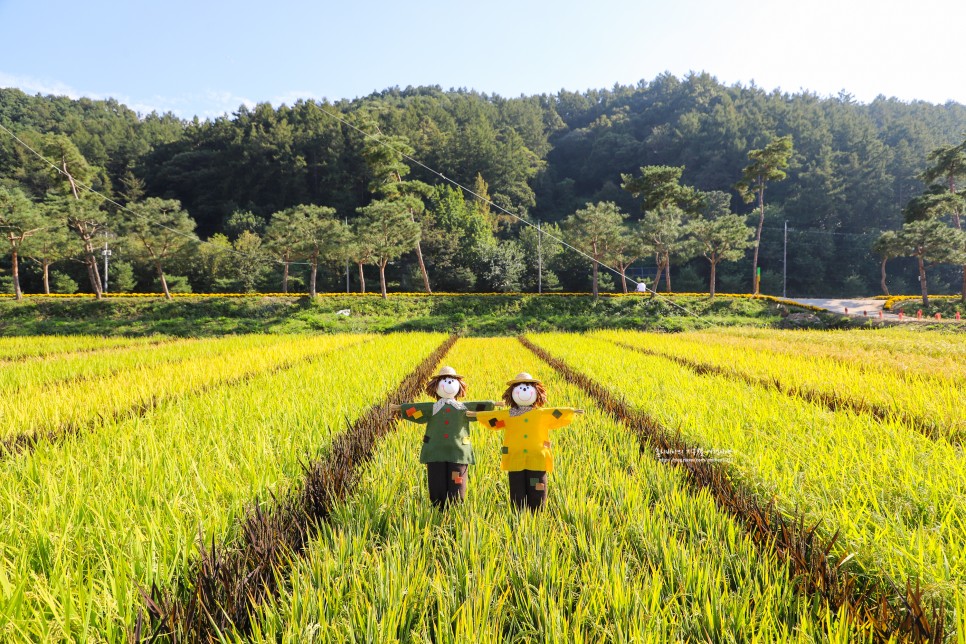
849,176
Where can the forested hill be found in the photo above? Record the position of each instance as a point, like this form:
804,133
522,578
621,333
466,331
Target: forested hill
853,169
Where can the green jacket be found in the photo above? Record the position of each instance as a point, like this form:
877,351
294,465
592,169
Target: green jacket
447,438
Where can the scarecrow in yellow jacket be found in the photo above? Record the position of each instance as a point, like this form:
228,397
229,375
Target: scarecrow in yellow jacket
526,429
447,451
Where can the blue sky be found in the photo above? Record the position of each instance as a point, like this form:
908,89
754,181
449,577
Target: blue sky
206,58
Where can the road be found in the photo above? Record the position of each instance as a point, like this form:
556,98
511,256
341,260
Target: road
857,307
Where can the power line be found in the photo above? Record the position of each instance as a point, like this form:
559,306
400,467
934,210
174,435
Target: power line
483,199
368,136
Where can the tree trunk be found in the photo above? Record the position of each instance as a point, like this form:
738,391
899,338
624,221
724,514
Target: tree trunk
595,270
419,257
382,278
761,222
92,273
362,279
882,283
18,294
70,178
285,277
623,278
97,276
922,282
657,278
46,267
312,275
959,226
714,266
164,282
667,273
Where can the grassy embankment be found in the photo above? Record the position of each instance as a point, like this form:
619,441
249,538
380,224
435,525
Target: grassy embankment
468,314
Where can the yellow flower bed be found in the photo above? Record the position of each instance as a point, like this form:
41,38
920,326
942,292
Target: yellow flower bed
895,299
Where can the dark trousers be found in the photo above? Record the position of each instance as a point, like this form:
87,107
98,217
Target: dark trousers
528,488
447,482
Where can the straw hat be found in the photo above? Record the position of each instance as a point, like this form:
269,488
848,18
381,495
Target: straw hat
522,377
447,372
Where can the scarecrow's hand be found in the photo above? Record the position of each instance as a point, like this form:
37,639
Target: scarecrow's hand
471,414
394,407
578,411
499,404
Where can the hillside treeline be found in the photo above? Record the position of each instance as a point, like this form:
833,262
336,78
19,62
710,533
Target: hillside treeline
853,170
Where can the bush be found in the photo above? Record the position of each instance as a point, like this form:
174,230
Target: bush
120,279
62,283
176,284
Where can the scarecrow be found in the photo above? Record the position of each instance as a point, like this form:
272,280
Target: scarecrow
526,429
446,451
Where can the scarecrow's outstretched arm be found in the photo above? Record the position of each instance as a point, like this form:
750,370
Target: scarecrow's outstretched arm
472,414
418,413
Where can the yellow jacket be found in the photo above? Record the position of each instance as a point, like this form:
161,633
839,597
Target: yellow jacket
526,438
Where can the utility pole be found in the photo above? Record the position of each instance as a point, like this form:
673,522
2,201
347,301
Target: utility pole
106,253
785,261
539,258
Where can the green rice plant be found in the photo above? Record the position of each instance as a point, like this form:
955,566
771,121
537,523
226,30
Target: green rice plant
623,552
932,404
60,408
95,518
24,347
896,498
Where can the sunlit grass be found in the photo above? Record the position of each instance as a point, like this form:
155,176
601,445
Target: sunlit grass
22,347
927,401
89,519
898,497
623,552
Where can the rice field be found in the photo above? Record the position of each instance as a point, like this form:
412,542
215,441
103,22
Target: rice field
131,469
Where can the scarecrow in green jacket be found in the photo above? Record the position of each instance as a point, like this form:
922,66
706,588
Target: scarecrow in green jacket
526,429
447,451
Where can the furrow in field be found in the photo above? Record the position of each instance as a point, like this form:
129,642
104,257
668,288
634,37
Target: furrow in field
623,551
828,399
227,583
865,596
897,351
934,406
91,521
67,409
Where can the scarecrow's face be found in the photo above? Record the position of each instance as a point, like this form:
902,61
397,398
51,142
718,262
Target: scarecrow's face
447,388
524,394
